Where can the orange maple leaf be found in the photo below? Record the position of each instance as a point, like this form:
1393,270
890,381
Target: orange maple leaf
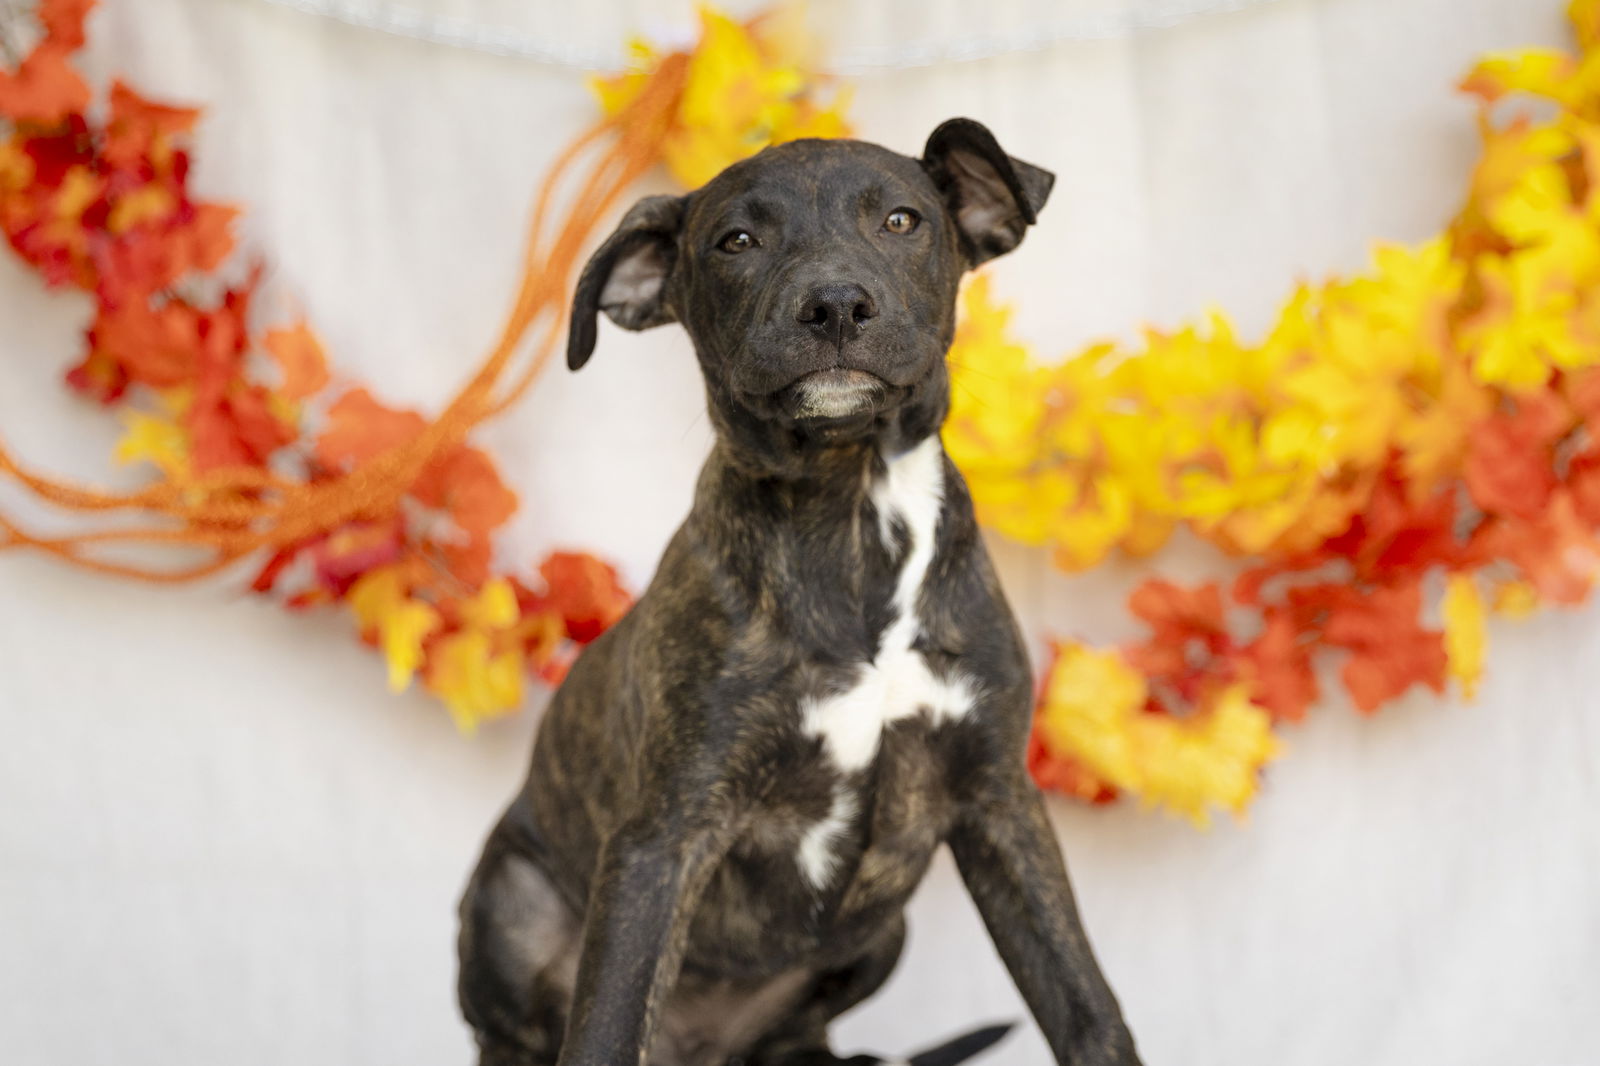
155,346
197,237
466,484
140,130
300,358
1509,467
63,20
583,591
1389,649
1188,632
44,89
359,428
1277,665
1555,549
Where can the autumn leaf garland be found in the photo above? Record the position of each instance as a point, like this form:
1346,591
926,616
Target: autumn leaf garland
106,207
1425,432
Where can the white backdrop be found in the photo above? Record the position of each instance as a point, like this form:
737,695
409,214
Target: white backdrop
222,841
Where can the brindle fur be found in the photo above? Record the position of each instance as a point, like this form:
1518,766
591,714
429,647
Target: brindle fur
639,902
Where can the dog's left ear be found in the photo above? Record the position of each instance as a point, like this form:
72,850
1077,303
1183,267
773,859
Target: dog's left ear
992,197
627,275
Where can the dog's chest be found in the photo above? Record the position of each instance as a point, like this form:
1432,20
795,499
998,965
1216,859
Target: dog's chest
899,683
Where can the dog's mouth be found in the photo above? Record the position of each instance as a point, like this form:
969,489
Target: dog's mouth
832,394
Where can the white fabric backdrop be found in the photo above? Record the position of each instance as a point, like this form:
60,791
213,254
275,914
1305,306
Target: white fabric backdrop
222,841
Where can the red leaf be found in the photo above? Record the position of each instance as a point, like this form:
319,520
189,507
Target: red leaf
354,549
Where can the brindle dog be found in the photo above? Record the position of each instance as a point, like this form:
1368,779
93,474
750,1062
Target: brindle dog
738,787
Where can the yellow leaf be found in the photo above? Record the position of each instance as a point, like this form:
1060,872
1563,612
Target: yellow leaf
381,604
145,204
155,440
1093,712
474,681
402,632
746,87
494,607
1465,633
1516,599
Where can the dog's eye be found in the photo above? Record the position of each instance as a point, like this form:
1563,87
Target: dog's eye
901,220
736,242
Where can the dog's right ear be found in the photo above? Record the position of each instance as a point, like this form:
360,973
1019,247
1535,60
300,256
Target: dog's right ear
627,275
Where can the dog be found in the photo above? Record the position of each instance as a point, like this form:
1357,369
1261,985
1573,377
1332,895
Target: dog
738,786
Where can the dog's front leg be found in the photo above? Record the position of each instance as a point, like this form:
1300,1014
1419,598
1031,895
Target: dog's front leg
651,873
1008,856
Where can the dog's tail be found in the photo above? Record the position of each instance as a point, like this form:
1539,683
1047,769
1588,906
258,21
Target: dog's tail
962,1047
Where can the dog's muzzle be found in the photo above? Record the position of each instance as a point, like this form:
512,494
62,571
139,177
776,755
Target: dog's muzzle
834,393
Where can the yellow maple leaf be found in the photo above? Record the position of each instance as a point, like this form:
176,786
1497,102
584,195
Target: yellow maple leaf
747,86
1540,71
382,604
1465,632
1525,330
1093,712
153,439
1585,17
474,680
1516,599
493,608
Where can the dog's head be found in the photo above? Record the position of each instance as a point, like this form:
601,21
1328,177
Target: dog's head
817,279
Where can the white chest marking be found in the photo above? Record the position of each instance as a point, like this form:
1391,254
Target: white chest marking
897,683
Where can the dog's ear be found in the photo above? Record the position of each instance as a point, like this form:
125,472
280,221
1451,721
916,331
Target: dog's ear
992,197
627,275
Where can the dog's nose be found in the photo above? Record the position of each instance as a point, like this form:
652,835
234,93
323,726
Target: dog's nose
837,312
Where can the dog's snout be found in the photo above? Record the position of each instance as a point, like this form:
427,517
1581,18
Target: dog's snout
837,312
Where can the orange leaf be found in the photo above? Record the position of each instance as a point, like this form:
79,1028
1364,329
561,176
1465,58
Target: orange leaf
584,591
141,130
1555,549
1277,664
1509,466
155,346
149,258
239,429
63,20
44,89
1188,632
300,357
1389,649
466,485
359,427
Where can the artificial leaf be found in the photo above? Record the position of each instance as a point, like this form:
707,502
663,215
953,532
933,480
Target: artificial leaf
583,591
300,360
360,428
1465,632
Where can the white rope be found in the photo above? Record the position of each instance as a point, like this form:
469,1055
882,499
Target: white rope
400,21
